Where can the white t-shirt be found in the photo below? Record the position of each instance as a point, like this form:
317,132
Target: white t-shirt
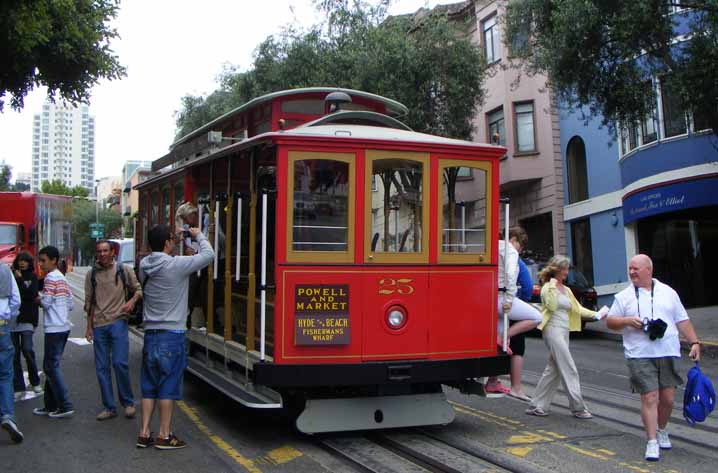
667,306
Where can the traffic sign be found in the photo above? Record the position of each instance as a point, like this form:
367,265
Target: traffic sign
97,230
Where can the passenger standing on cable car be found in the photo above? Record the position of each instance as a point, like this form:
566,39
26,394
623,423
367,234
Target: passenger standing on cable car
561,315
165,280
524,316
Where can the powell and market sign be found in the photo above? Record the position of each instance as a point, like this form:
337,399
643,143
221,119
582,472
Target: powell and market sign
670,198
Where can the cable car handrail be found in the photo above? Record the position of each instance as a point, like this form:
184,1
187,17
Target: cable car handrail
238,238
263,280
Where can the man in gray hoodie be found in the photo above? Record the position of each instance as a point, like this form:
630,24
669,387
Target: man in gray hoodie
165,281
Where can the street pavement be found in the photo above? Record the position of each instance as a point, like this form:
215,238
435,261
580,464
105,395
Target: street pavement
224,436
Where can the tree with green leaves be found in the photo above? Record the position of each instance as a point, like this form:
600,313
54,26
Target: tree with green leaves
58,187
83,214
427,62
61,44
602,54
5,176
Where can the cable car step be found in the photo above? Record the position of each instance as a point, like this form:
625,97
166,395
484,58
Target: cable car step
381,412
244,393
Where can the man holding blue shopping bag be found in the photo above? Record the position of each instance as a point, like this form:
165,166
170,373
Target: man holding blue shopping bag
650,315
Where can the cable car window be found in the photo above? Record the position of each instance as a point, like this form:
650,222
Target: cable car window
166,206
155,209
465,211
321,206
398,207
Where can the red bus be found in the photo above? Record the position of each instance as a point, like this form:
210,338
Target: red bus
30,221
356,261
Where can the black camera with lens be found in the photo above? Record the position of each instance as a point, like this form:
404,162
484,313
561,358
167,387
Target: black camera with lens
654,328
185,231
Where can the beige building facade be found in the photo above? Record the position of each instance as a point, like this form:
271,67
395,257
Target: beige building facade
519,113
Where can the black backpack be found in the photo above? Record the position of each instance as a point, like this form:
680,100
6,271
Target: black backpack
135,318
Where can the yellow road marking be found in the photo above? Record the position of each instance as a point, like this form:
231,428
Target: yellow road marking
552,434
218,441
607,452
634,468
520,451
485,413
282,455
584,451
483,417
528,437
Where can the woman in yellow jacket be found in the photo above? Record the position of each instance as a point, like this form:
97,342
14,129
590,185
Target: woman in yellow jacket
561,314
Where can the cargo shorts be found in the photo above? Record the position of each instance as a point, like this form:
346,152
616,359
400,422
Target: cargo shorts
652,374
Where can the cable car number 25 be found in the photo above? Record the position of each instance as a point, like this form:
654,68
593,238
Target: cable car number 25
402,286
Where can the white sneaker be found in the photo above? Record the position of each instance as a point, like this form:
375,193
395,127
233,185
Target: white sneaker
19,395
653,453
37,389
663,440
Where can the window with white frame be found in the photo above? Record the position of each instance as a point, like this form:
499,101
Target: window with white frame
524,121
492,39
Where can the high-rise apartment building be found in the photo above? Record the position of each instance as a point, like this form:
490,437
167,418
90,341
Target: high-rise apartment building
63,146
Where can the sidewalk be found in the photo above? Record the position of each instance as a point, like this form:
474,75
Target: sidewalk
705,321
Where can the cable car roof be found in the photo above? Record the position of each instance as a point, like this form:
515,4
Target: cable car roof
393,108
364,132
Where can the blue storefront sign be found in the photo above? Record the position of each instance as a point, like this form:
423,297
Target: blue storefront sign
698,192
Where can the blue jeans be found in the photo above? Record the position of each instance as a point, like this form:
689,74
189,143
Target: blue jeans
163,362
56,396
24,348
112,345
7,401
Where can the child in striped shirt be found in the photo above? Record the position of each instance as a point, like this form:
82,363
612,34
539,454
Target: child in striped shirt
56,300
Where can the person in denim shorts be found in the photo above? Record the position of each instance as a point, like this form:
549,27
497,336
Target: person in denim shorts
652,357
165,281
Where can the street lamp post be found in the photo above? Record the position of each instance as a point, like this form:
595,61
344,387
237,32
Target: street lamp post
97,208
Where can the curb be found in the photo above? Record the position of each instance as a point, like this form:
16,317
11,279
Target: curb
709,348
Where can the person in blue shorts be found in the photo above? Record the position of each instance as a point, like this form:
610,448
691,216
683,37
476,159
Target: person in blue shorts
165,282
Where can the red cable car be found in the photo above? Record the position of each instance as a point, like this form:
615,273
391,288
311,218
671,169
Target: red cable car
356,265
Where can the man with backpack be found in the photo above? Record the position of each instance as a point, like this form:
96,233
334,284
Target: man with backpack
650,315
111,292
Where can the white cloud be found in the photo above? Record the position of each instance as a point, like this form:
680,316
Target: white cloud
170,49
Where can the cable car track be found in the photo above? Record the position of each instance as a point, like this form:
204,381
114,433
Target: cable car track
598,395
415,450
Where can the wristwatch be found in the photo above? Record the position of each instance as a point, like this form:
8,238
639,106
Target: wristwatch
696,343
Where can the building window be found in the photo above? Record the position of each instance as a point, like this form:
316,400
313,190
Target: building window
700,122
674,115
524,124
497,130
492,40
582,254
577,172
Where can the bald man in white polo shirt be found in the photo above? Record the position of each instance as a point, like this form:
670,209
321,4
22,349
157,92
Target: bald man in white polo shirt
652,363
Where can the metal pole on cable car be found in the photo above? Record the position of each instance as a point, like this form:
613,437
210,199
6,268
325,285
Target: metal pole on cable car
216,238
200,220
506,202
263,306
238,238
